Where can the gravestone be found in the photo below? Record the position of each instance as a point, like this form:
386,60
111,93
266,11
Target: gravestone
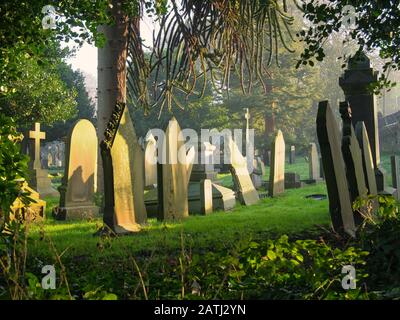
256,175
123,160
329,139
34,211
222,198
368,161
204,168
292,180
206,196
313,162
356,82
292,155
173,175
277,167
246,192
261,165
39,179
79,182
150,162
353,160
394,161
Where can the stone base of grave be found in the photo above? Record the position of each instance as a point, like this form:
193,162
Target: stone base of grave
223,199
41,182
388,191
76,213
311,181
33,212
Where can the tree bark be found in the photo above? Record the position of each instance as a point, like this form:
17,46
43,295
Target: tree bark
111,74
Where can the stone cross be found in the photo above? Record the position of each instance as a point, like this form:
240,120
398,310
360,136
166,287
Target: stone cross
37,135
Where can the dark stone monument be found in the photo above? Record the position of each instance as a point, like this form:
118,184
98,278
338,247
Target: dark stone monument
292,180
329,139
355,83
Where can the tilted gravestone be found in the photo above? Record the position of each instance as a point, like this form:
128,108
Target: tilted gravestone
313,162
245,190
353,160
150,160
174,174
277,167
39,179
367,159
329,139
123,163
78,185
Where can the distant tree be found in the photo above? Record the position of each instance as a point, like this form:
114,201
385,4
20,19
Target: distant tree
85,108
374,26
38,95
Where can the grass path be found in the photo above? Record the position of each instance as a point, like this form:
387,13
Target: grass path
289,213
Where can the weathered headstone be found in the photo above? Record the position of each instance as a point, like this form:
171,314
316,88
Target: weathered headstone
368,161
313,162
79,182
353,159
123,160
150,162
39,179
292,155
329,139
277,167
292,180
173,175
245,189
34,211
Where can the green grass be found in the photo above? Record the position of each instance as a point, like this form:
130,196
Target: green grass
289,213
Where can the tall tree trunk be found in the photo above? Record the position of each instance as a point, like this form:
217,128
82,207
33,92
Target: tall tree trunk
111,74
